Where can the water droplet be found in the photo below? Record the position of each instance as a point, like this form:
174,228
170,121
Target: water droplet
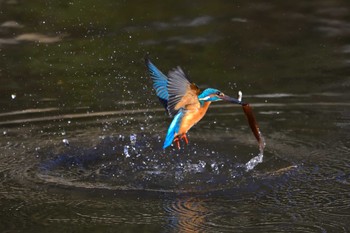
133,139
66,142
126,151
240,96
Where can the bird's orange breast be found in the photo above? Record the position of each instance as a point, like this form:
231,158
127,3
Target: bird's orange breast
192,117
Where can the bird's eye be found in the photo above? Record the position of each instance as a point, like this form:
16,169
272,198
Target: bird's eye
219,93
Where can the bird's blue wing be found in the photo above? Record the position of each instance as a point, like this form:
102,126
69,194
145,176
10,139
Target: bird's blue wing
173,128
160,82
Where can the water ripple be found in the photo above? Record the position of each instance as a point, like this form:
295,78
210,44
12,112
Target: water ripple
118,153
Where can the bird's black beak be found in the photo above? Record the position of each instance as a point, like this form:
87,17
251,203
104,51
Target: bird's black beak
231,100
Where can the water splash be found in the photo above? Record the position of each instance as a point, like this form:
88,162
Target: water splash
251,164
133,138
126,151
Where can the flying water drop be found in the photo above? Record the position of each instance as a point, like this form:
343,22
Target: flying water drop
133,138
126,151
65,142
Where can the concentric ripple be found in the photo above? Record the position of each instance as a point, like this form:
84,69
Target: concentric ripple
129,163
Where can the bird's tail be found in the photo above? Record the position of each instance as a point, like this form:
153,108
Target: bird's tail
173,129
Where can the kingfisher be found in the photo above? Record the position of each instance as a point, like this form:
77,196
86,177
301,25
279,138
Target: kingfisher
182,100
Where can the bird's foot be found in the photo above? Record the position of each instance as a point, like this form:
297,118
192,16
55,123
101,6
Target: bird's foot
177,142
184,137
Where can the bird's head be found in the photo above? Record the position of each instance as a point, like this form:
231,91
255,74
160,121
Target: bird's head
212,95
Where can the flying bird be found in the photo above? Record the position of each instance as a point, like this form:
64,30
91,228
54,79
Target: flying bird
183,101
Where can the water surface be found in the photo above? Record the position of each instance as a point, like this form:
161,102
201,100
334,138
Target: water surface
82,131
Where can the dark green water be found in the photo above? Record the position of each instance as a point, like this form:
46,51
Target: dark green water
73,71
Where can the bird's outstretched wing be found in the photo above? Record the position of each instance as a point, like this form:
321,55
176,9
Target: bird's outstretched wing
182,93
160,83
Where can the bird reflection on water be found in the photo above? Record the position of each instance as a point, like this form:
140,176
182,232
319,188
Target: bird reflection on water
187,214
